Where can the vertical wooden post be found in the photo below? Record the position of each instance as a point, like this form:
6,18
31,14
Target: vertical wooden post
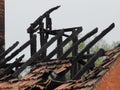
41,27
60,50
42,38
74,39
33,42
48,27
74,53
59,53
48,23
33,45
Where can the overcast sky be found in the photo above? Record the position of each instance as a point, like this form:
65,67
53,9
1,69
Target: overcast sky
86,13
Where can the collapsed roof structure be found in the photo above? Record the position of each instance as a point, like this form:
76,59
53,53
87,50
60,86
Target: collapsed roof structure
50,74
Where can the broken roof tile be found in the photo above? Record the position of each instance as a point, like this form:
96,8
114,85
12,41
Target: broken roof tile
39,76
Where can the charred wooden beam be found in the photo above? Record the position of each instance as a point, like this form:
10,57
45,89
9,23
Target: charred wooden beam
8,64
14,64
87,66
44,36
74,53
52,33
57,30
33,46
43,40
78,42
53,84
37,54
38,20
15,53
8,50
48,25
67,58
88,56
74,40
60,50
94,41
62,44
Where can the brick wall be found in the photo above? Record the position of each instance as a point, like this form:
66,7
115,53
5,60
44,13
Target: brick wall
2,25
111,80
1,15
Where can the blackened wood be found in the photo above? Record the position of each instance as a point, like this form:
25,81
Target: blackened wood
94,41
53,84
16,52
93,65
33,46
74,39
59,53
60,50
41,29
38,20
73,70
67,58
8,64
85,56
42,38
48,23
14,64
66,29
88,64
78,42
37,54
88,56
8,50
62,44
65,35
54,32
88,52
48,26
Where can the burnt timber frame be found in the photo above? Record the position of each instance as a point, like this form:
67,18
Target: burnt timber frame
42,27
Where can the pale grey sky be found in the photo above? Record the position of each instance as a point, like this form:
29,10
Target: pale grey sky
86,13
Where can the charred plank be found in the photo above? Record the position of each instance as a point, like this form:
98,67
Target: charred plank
8,50
15,53
74,53
36,55
14,64
33,46
62,44
94,41
57,30
42,38
87,66
60,50
38,20
78,42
